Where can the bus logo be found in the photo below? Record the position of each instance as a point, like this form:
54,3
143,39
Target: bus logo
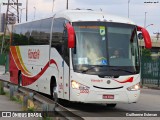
108,81
33,53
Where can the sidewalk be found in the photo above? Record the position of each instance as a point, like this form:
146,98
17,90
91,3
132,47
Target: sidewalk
150,86
6,104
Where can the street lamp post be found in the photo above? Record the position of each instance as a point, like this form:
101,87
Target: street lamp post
149,25
145,19
128,7
21,14
34,12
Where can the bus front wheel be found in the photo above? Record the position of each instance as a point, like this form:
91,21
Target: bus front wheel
53,89
111,105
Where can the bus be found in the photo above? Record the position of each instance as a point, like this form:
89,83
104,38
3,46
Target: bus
70,56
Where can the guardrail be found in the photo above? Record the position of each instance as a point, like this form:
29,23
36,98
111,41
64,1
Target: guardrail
33,100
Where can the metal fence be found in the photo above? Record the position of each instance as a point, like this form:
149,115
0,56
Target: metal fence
4,60
150,71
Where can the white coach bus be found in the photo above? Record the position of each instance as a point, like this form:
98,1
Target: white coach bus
79,55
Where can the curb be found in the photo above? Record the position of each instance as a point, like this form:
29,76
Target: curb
151,87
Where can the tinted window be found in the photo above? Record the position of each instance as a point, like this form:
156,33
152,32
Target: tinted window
57,35
59,38
32,33
19,37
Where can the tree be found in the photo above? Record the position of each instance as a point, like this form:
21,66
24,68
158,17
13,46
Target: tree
6,43
146,53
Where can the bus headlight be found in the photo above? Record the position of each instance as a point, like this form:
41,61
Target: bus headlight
134,87
76,85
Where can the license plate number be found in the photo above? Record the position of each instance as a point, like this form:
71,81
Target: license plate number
108,96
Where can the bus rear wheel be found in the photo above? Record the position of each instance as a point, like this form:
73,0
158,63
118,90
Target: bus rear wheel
55,95
19,80
111,105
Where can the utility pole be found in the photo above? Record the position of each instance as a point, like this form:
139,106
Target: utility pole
67,5
53,6
26,10
11,14
17,12
21,14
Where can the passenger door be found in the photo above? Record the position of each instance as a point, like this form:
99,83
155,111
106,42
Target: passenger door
65,65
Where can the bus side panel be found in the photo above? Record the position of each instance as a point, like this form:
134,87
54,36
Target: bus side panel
36,63
60,72
13,69
66,81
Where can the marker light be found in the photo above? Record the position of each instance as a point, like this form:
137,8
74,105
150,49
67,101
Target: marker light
134,87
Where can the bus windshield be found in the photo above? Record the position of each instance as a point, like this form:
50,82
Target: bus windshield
105,48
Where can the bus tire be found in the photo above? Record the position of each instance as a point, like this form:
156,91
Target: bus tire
53,89
111,105
19,79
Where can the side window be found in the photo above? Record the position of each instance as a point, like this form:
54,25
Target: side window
16,39
40,34
57,34
14,36
65,46
21,34
35,33
24,31
45,30
32,33
59,38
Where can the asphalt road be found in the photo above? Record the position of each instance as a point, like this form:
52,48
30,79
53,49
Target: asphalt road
149,101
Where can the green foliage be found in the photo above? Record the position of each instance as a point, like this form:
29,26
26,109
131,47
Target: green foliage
1,88
14,98
31,109
6,43
146,53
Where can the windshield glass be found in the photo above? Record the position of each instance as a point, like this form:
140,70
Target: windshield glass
105,48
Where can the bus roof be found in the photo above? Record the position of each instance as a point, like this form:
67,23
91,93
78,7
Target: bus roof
86,15
90,15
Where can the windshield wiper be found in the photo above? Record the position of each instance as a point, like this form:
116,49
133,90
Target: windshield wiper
119,69
83,71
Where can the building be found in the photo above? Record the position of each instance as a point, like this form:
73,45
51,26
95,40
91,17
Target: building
155,50
2,22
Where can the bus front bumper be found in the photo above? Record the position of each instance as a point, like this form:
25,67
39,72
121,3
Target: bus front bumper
106,96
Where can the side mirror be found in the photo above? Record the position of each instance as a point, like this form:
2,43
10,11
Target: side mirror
140,36
146,36
71,35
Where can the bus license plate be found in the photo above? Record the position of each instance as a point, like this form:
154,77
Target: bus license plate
108,96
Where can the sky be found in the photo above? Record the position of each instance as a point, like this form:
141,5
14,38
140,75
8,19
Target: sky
138,9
